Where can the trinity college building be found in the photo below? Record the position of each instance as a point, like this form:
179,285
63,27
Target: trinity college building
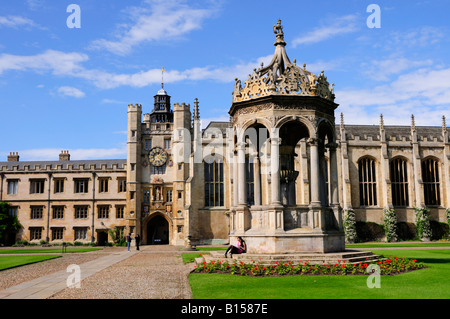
280,173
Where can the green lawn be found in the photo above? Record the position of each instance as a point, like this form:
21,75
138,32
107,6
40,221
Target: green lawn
433,282
45,250
405,244
15,261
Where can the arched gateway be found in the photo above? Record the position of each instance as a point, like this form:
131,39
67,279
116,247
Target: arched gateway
295,165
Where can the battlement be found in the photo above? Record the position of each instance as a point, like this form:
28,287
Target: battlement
134,108
392,133
58,166
181,107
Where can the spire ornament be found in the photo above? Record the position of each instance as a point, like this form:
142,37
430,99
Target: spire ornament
282,77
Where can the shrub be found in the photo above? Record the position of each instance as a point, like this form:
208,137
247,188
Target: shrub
423,223
350,226
406,231
390,224
369,231
448,216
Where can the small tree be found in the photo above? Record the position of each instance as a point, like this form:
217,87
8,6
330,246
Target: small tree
390,224
117,236
423,223
350,226
8,224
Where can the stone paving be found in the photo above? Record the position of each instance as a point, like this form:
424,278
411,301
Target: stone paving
153,272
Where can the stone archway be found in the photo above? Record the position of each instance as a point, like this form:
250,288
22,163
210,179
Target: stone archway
158,230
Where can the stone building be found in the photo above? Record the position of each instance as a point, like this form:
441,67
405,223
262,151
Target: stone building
279,173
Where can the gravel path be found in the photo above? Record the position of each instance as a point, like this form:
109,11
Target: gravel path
156,272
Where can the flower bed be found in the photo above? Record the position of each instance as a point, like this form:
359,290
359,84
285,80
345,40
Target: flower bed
388,266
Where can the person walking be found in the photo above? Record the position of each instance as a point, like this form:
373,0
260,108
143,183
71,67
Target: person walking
128,242
137,238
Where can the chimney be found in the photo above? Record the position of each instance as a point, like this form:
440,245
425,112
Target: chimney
64,156
13,157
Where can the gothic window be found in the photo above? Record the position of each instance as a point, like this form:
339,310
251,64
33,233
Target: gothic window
12,186
103,211
399,182
80,233
35,233
37,212
58,212
59,185
430,178
120,209
367,182
57,233
214,188
81,212
157,170
37,186
81,185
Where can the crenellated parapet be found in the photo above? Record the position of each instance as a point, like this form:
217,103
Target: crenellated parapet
58,166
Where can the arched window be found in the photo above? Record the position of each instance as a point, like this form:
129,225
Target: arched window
430,178
367,182
399,182
214,189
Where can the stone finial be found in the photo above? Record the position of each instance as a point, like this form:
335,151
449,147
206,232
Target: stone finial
342,121
13,157
381,122
64,156
413,123
444,124
196,110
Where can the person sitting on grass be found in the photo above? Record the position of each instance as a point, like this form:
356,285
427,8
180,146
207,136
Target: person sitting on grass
240,248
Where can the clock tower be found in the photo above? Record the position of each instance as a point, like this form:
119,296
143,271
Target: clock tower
155,181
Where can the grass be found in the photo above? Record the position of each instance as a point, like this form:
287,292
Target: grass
189,257
45,250
7,262
433,282
394,245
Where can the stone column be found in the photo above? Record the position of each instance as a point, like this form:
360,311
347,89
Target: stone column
314,163
242,182
334,198
335,186
257,180
275,170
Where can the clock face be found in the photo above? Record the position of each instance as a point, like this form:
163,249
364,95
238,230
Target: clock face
157,156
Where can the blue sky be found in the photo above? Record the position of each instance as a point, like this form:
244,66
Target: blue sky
68,88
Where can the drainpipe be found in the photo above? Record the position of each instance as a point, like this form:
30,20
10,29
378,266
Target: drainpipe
48,207
93,206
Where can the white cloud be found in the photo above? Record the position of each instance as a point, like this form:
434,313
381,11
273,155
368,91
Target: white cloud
341,25
110,101
70,91
381,70
158,20
70,65
423,92
16,22
57,62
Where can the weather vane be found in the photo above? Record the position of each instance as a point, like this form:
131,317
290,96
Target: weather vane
162,77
